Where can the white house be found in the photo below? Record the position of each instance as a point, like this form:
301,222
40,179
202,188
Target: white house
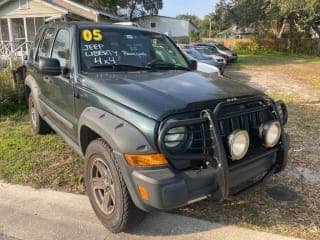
178,29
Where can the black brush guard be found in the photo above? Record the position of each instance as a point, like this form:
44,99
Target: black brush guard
219,158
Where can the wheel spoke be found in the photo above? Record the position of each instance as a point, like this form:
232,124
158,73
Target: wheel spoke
102,169
112,193
103,186
107,201
98,183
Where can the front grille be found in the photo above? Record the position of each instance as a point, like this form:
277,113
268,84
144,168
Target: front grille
245,114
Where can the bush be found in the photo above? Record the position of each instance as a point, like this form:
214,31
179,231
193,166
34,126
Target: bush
194,36
266,45
12,101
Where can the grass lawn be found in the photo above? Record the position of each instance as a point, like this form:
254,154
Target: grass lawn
39,161
46,161
270,59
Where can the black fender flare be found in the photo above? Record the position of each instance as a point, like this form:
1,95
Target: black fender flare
119,134
31,83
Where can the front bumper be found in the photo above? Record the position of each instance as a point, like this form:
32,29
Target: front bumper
170,189
233,58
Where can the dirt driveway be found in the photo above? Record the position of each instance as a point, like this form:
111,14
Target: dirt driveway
297,83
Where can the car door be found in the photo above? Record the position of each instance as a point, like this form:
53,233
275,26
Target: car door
59,91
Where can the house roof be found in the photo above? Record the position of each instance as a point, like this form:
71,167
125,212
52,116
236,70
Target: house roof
159,16
82,10
69,6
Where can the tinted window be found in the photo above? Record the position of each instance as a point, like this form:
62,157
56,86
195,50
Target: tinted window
61,48
220,46
45,45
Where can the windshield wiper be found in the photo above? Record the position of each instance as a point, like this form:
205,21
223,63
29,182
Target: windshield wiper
167,66
117,66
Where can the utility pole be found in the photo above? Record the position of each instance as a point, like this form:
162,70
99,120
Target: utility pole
210,28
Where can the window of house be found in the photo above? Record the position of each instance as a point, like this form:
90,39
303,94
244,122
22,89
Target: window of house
45,45
23,4
4,30
153,25
61,48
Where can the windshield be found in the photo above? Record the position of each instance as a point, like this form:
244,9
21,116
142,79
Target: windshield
195,54
206,51
123,49
221,47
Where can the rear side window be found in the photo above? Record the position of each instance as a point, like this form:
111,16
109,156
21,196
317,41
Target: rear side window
61,48
45,44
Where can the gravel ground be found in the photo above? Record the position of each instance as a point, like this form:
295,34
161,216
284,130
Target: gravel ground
256,209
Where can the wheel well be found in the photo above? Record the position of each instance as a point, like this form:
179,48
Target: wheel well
87,135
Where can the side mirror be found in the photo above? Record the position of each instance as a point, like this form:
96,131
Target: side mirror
193,64
49,66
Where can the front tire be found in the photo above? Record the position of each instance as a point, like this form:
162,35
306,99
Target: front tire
39,126
107,191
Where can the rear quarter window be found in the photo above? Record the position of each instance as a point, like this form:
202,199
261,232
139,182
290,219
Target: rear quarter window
46,43
35,44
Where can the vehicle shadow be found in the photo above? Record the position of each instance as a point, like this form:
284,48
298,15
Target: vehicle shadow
242,77
163,224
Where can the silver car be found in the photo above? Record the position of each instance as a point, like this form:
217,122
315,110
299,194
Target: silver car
228,54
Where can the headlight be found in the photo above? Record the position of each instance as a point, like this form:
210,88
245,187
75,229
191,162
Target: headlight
238,144
270,133
176,137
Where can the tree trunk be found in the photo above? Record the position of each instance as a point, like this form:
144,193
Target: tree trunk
132,9
279,35
315,28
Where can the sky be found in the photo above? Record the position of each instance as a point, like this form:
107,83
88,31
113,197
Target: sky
172,8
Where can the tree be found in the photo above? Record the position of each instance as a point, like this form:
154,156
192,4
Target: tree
108,5
140,8
135,8
194,36
190,17
299,16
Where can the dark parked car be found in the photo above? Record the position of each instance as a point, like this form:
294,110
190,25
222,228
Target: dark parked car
229,55
154,134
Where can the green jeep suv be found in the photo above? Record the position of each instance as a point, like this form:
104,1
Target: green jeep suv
154,133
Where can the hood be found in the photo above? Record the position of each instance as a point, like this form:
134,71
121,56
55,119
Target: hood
213,63
157,94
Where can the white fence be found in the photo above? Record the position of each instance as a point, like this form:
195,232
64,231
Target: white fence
11,51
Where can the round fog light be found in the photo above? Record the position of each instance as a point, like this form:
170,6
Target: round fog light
270,133
238,144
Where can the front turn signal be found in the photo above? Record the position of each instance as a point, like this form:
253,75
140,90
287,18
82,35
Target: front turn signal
143,193
146,160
